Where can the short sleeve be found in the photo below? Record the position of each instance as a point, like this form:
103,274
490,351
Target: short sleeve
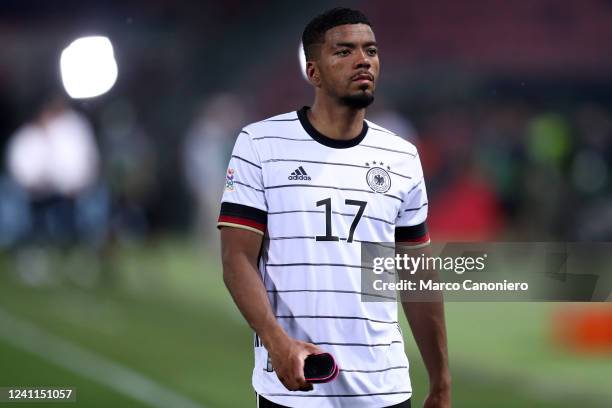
243,204
411,221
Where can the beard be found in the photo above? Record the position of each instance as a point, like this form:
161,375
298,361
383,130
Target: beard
359,101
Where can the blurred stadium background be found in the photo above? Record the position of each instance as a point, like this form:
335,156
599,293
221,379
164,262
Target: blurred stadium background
109,276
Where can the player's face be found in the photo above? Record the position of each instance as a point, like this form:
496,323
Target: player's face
348,64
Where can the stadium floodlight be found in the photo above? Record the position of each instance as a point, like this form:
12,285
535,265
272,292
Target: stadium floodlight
302,58
88,67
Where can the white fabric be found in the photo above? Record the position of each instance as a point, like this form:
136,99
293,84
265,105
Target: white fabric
366,335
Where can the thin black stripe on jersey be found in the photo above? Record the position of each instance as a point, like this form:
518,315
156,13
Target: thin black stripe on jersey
283,138
366,188
318,264
333,212
246,161
331,291
389,150
280,120
336,317
335,144
338,395
332,187
382,130
415,209
331,343
249,186
339,238
373,371
330,164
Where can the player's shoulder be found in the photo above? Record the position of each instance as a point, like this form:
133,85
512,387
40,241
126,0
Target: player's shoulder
272,123
386,138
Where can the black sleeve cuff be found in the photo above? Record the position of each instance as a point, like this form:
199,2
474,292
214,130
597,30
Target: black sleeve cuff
242,216
416,234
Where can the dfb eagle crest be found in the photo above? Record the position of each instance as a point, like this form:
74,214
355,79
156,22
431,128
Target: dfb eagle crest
378,179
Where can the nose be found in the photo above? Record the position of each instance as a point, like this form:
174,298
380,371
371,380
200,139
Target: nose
363,60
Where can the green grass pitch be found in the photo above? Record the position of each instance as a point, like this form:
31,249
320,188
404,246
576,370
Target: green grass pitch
168,317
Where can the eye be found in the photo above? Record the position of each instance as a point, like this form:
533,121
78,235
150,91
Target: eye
372,51
343,52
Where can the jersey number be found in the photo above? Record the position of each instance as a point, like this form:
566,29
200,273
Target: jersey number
328,212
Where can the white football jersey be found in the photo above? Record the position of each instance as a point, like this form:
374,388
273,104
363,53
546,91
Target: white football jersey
315,200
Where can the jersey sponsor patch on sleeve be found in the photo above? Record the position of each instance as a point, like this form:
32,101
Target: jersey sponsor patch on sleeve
229,180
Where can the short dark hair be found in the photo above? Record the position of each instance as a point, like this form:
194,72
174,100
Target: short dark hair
314,33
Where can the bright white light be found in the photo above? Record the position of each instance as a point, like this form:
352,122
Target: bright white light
88,67
302,59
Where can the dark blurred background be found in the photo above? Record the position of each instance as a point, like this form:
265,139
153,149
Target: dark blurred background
507,100
509,104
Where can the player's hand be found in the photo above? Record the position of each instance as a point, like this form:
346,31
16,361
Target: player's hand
438,399
288,357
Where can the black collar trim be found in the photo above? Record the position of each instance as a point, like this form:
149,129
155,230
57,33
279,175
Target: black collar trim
325,140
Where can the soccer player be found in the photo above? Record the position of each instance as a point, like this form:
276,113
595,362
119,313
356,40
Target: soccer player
303,190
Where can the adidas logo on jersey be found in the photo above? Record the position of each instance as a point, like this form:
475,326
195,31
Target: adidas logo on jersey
299,174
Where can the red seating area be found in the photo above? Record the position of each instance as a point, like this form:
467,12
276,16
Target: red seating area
568,37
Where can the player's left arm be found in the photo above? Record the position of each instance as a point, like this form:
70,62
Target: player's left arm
426,320
425,315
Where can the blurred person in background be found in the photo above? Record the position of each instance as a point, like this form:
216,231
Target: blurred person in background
326,170
54,159
591,173
205,151
130,165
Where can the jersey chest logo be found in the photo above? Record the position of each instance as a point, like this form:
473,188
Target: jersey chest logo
378,178
299,174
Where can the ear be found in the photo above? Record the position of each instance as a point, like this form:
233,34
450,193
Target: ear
313,74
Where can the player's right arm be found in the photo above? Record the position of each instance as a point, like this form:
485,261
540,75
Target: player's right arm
240,251
243,220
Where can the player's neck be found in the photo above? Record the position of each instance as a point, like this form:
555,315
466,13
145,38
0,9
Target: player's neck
336,122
